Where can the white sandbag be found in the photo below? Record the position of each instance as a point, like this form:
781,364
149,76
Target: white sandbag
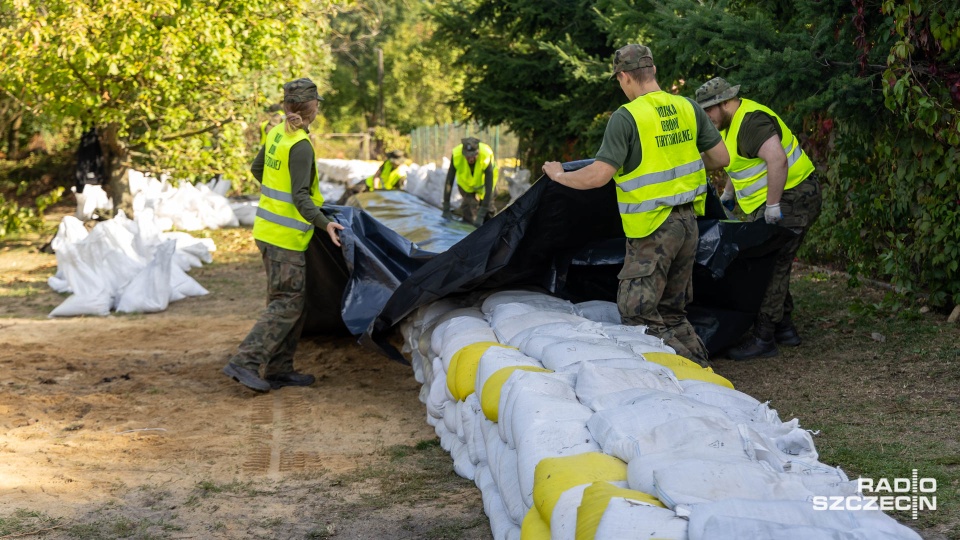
92,199
563,521
534,300
507,328
461,332
624,518
150,290
594,381
508,483
500,522
552,331
641,468
599,311
245,211
624,435
694,481
535,345
451,419
462,464
549,439
565,353
183,286
736,519
530,409
79,304
437,334
496,358
740,407
439,395
534,383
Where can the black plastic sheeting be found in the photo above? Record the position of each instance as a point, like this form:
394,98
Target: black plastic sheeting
347,286
564,241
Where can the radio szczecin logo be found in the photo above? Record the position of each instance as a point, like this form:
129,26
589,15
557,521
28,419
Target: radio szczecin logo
901,494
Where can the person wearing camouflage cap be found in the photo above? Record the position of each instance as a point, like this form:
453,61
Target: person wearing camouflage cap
772,179
288,212
390,175
657,149
474,167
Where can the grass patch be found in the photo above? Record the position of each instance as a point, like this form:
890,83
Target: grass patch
23,521
878,379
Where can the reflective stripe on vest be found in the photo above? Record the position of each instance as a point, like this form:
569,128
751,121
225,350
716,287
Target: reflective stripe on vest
749,175
278,222
670,173
472,182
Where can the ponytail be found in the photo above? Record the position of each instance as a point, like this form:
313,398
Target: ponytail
295,113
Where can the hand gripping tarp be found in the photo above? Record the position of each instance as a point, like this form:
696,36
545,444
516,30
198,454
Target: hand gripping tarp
568,242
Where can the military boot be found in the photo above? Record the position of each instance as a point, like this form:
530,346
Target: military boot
760,344
786,333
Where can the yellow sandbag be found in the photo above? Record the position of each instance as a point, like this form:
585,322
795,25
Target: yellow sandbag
462,373
490,393
534,528
553,476
595,501
686,369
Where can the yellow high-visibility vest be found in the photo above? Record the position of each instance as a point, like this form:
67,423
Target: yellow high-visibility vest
265,124
472,182
278,221
390,178
670,173
749,176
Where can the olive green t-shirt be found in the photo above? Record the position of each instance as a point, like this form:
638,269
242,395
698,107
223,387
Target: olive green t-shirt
621,140
755,129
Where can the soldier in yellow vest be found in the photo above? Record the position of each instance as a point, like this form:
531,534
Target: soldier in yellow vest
276,117
288,212
474,167
657,149
772,179
388,177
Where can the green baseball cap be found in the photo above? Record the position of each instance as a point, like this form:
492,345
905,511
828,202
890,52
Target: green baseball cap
714,91
471,146
300,91
631,57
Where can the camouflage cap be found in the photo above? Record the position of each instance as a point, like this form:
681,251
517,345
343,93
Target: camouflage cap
395,155
471,146
631,57
300,91
714,91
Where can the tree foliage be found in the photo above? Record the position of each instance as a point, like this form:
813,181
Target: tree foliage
170,82
417,89
871,87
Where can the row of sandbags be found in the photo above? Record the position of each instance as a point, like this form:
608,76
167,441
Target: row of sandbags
186,206
575,426
130,266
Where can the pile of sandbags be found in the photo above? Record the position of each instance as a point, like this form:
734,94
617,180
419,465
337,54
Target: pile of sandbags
575,426
346,171
130,266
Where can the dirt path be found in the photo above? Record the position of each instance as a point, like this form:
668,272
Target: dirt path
124,426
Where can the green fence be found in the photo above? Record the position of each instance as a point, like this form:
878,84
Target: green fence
432,143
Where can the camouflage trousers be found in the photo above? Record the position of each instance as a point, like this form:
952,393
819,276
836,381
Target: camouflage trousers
271,343
469,205
800,206
656,283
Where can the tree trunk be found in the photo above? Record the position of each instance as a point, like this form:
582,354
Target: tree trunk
117,164
13,142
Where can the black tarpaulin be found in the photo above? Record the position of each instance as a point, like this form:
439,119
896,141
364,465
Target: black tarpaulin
570,242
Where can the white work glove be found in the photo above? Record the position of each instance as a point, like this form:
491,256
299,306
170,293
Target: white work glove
727,200
772,214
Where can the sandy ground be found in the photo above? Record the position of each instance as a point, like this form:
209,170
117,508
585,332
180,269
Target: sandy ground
125,423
